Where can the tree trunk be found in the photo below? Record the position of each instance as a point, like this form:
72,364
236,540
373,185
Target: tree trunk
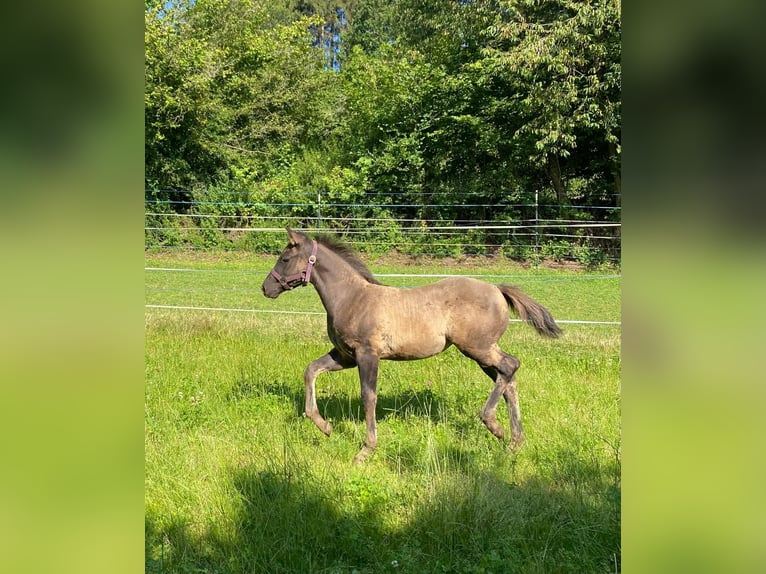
613,159
554,171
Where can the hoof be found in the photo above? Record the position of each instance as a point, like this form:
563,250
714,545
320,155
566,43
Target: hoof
517,441
321,424
362,455
493,427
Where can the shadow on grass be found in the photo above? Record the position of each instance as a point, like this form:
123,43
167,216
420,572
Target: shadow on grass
419,403
289,518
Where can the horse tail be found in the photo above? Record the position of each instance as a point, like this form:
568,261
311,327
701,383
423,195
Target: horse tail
530,311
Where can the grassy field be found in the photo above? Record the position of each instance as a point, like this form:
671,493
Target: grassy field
237,481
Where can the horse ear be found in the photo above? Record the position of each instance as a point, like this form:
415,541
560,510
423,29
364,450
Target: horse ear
295,236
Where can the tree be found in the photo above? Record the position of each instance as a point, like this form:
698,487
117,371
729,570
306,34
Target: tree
562,61
445,106
226,93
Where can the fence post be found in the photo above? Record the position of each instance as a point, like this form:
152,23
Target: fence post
537,224
319,209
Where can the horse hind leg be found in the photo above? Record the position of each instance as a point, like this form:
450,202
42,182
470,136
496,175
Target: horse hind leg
501,367
514,413
488,412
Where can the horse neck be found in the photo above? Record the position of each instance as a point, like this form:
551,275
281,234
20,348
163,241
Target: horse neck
334,279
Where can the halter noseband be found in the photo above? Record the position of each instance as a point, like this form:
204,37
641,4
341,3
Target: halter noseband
296,279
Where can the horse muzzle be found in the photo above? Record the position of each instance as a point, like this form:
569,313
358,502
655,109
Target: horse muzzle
271,287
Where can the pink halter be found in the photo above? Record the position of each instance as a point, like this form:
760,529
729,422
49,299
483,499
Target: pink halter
302,278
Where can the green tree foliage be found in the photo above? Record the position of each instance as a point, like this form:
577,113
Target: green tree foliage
227,97
458,109
560,63
528,94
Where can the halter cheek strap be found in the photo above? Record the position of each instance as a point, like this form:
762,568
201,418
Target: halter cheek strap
302,278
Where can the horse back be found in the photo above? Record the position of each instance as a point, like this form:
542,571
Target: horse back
419,322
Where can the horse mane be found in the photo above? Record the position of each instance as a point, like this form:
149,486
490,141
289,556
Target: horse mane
348,255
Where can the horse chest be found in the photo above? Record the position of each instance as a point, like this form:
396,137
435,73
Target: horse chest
347,335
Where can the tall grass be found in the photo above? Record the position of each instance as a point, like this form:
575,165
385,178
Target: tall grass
238,481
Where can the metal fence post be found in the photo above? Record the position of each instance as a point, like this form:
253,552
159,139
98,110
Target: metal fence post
537,224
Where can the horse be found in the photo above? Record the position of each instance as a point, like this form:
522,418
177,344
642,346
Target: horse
368,322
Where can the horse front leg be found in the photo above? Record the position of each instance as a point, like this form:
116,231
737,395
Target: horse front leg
368,377
332,361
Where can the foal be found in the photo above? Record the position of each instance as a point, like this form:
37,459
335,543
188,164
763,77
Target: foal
367,322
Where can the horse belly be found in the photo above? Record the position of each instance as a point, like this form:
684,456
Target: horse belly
413,336
412,350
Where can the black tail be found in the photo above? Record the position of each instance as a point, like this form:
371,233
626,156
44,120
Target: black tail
530,311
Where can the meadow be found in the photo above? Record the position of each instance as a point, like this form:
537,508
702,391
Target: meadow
236,480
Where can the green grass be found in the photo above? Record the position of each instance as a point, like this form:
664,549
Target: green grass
237,481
